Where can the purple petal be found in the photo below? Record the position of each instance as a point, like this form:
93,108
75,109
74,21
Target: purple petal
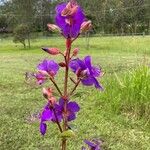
97,147
71,117
74,65
97,85
96,71
87,61
60,7
52,66
61,102
88,81
73,106
43,66
83,148
59,117
43,128
48,66
92,145
46,114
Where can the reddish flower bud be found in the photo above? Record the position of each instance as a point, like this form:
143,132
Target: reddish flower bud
52,51
47,93
85,26
53,28
52,100
75,51
70,9
65,53
62,64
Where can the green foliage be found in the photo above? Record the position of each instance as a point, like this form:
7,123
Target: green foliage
21,33
3,22
135,92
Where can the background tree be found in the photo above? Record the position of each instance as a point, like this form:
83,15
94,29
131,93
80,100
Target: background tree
21,33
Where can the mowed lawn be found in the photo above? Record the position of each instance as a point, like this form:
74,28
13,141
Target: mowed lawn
119,115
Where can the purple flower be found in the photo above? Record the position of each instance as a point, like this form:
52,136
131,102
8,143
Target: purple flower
69,17
49,66
46,115
72,109
87,72
94,145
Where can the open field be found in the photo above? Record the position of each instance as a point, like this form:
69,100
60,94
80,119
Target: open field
119,115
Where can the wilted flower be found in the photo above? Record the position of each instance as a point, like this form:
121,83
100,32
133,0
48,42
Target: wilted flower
40,78
87,72
69,17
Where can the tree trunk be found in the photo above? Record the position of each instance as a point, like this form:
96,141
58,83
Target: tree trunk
135,27
24,44
149,27
29,44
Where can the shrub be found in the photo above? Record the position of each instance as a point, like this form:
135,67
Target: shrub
21,33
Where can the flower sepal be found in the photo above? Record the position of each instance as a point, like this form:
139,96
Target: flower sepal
54,28
68,134
85,26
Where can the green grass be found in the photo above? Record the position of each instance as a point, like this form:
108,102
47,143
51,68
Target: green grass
119,115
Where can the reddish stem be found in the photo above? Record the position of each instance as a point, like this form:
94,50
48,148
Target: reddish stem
67,59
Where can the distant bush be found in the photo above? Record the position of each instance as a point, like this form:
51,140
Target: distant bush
21,34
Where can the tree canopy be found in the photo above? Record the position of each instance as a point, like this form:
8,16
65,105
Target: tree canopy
108,16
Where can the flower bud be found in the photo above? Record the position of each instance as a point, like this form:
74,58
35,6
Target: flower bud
62,64
52,51
75,51
65,53
85,26
53,28
70,9
47,93
52,100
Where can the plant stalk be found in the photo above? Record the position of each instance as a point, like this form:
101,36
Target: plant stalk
65,123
